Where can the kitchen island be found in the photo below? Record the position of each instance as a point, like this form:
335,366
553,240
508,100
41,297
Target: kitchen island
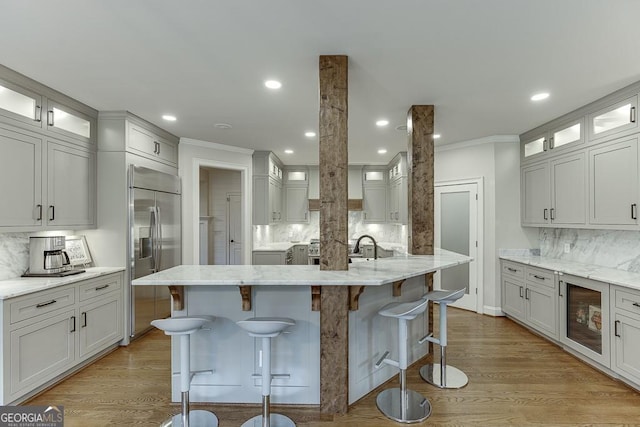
228,356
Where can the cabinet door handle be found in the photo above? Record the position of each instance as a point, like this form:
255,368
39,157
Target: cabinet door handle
37,113
39,213
545,144
615,328
635,304
73,323
632,115
527,293
521,292
553,213
158,148
539,277
50,118
551,147
634,211
545,214
44,304
53,212
560,289
84,319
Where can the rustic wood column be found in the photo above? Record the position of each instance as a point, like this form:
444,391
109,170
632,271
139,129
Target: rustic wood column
420,120
334,300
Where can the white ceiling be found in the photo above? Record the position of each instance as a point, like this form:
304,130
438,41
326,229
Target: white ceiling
205,61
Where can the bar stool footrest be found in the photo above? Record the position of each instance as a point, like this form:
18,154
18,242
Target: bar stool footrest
416,409
455,378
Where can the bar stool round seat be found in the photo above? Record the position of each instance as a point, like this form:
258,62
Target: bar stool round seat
267,328
401,404
184,327
440,374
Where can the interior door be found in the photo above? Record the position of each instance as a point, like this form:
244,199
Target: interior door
234,210
456,230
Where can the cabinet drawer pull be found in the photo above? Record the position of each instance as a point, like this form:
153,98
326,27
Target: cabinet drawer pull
44,304
539,277
99,288
73,323
634,211
632,115
635,304
513,270
615,328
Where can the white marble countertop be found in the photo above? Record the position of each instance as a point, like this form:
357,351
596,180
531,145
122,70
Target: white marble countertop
588,271
25,285
283,246
370,273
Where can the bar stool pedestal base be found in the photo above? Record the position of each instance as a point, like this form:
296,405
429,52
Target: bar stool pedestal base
454,377
196,418
275,420
416,408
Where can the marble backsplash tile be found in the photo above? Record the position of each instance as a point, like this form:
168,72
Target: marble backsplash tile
607,248
14,254
391,233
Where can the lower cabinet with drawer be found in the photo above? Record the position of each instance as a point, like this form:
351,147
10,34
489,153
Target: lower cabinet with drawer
625,345
530,295
48,333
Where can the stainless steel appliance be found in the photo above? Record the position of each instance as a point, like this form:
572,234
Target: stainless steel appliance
47,258
155,240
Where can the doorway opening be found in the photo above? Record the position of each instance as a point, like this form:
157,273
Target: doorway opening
220,216
459,228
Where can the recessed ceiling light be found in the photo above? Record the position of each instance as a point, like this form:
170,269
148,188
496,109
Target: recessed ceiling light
273,84
309,134
223,126
288,151
382,122
436,135
540,96
169,118
382,151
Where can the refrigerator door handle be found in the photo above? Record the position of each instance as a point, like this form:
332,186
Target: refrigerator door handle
153,220
158,239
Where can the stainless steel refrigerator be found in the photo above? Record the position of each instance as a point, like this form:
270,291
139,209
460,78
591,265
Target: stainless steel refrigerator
155,245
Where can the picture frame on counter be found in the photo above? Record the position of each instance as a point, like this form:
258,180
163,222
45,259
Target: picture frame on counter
77,250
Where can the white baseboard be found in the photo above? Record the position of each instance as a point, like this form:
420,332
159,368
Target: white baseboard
493,311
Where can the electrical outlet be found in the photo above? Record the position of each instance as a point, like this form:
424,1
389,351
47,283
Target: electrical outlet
567,248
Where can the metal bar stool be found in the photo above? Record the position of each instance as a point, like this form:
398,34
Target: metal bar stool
184,327
440,374
401,404
267,328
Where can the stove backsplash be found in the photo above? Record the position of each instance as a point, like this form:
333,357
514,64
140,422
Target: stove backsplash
608,248
391,233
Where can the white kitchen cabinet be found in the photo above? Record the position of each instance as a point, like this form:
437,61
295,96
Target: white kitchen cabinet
71,186
300,254
267,188
614,183
297,204
143,141
568,190
535,198
275,200
554,140
529,295
47,333
270,258
70,123
614,120
625,309
374,204
20,105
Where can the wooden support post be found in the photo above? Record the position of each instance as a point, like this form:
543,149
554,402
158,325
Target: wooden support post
316,292
334,310
245,294
397,288
354,296
177,295
420,127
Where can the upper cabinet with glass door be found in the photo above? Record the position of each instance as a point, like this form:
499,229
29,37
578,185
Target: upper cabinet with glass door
20,105
545,143
69,122
614,120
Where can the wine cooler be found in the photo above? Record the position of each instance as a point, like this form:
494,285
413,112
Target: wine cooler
584,321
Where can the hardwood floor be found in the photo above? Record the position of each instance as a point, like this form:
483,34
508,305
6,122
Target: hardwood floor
515,378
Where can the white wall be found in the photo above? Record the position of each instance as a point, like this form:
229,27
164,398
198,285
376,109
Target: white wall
194,154
497,160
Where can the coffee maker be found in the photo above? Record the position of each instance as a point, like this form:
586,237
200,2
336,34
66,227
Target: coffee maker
48,258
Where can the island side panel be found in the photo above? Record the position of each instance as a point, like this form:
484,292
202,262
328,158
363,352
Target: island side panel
370,335
233,356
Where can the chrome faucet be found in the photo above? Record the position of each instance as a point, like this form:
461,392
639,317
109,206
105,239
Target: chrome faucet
356,248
